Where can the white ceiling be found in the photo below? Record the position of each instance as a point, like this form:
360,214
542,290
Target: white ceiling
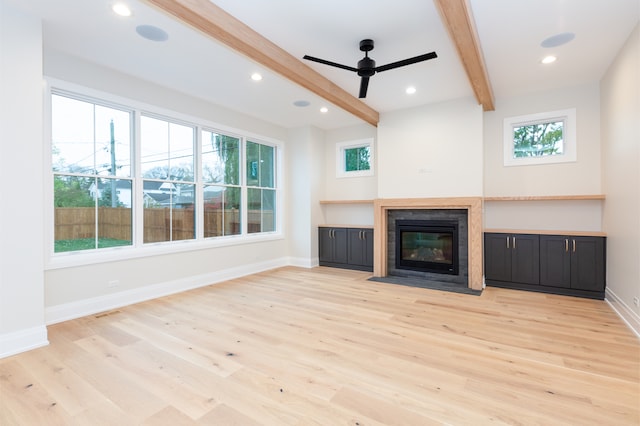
510,33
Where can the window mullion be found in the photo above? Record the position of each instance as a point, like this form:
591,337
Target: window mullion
138,208
199,185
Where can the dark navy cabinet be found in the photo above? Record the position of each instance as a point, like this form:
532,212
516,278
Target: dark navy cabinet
350,248
561,264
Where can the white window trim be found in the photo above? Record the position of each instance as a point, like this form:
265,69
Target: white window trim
340,164
105,255
568,116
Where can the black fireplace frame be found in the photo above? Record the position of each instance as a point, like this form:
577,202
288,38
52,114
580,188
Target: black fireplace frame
436,226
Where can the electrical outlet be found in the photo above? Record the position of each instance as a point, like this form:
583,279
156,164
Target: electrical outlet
636,301
113,283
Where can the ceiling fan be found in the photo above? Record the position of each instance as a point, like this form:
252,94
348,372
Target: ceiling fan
367,66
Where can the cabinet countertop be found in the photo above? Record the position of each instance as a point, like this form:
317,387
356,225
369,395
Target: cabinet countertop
545,232
347,226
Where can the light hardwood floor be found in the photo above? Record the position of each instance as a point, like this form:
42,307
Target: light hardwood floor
327,347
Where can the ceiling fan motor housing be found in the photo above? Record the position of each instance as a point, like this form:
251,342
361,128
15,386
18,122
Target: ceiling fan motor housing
366,67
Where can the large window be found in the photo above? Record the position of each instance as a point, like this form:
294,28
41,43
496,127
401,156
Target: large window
92,185
221,184
123,177
167,166
540,138
261,192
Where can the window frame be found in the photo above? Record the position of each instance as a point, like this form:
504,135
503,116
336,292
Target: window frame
341,167
569,154
138,248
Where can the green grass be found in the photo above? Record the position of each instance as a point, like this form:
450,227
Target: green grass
88,244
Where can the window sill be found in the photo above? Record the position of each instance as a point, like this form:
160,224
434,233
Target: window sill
117,254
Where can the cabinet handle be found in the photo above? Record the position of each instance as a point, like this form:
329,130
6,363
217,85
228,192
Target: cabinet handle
332,233
514,243
362,235
574,246
508,242
566,245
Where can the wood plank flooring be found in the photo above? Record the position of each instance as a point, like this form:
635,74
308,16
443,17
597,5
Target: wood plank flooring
325,346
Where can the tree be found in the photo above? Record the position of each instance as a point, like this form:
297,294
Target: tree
357,159
72,191
538,140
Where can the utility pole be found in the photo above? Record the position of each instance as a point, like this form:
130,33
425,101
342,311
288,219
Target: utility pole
114,196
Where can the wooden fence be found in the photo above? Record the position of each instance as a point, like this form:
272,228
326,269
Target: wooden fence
72,223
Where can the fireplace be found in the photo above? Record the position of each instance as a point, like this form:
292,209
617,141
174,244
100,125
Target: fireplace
427,246
467,211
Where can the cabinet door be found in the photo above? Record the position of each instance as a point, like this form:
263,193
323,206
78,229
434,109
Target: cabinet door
497,257
340,254
325,241
332,245
588,263
555,261
525,259
355,246
368,247
360,246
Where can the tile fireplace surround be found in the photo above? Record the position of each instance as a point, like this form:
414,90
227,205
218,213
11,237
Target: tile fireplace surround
473,205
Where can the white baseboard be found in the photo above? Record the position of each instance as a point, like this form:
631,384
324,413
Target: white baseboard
23,340
81,308
303,262
631,318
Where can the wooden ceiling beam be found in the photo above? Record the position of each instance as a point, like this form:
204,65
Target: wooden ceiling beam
458,20
214,22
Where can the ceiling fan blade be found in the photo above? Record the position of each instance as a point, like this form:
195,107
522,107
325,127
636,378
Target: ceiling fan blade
333,64
364,84
404,62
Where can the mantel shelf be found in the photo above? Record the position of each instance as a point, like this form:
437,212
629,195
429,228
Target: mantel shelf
346,201
548,198
509,198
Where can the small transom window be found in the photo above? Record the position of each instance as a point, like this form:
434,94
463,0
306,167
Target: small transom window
540,138
354,158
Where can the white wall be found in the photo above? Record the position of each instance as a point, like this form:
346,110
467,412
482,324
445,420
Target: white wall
305,183
582,177
620,89
349,188
577,178
431,151
69,68
81,290
21,174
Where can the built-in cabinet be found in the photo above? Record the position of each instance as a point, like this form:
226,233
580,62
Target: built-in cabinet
512,258
344,247
563,264
572,262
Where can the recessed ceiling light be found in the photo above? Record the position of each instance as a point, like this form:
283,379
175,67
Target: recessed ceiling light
256,77
324,110
410,90
121,9
557,40
302,103
549,59
152,33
